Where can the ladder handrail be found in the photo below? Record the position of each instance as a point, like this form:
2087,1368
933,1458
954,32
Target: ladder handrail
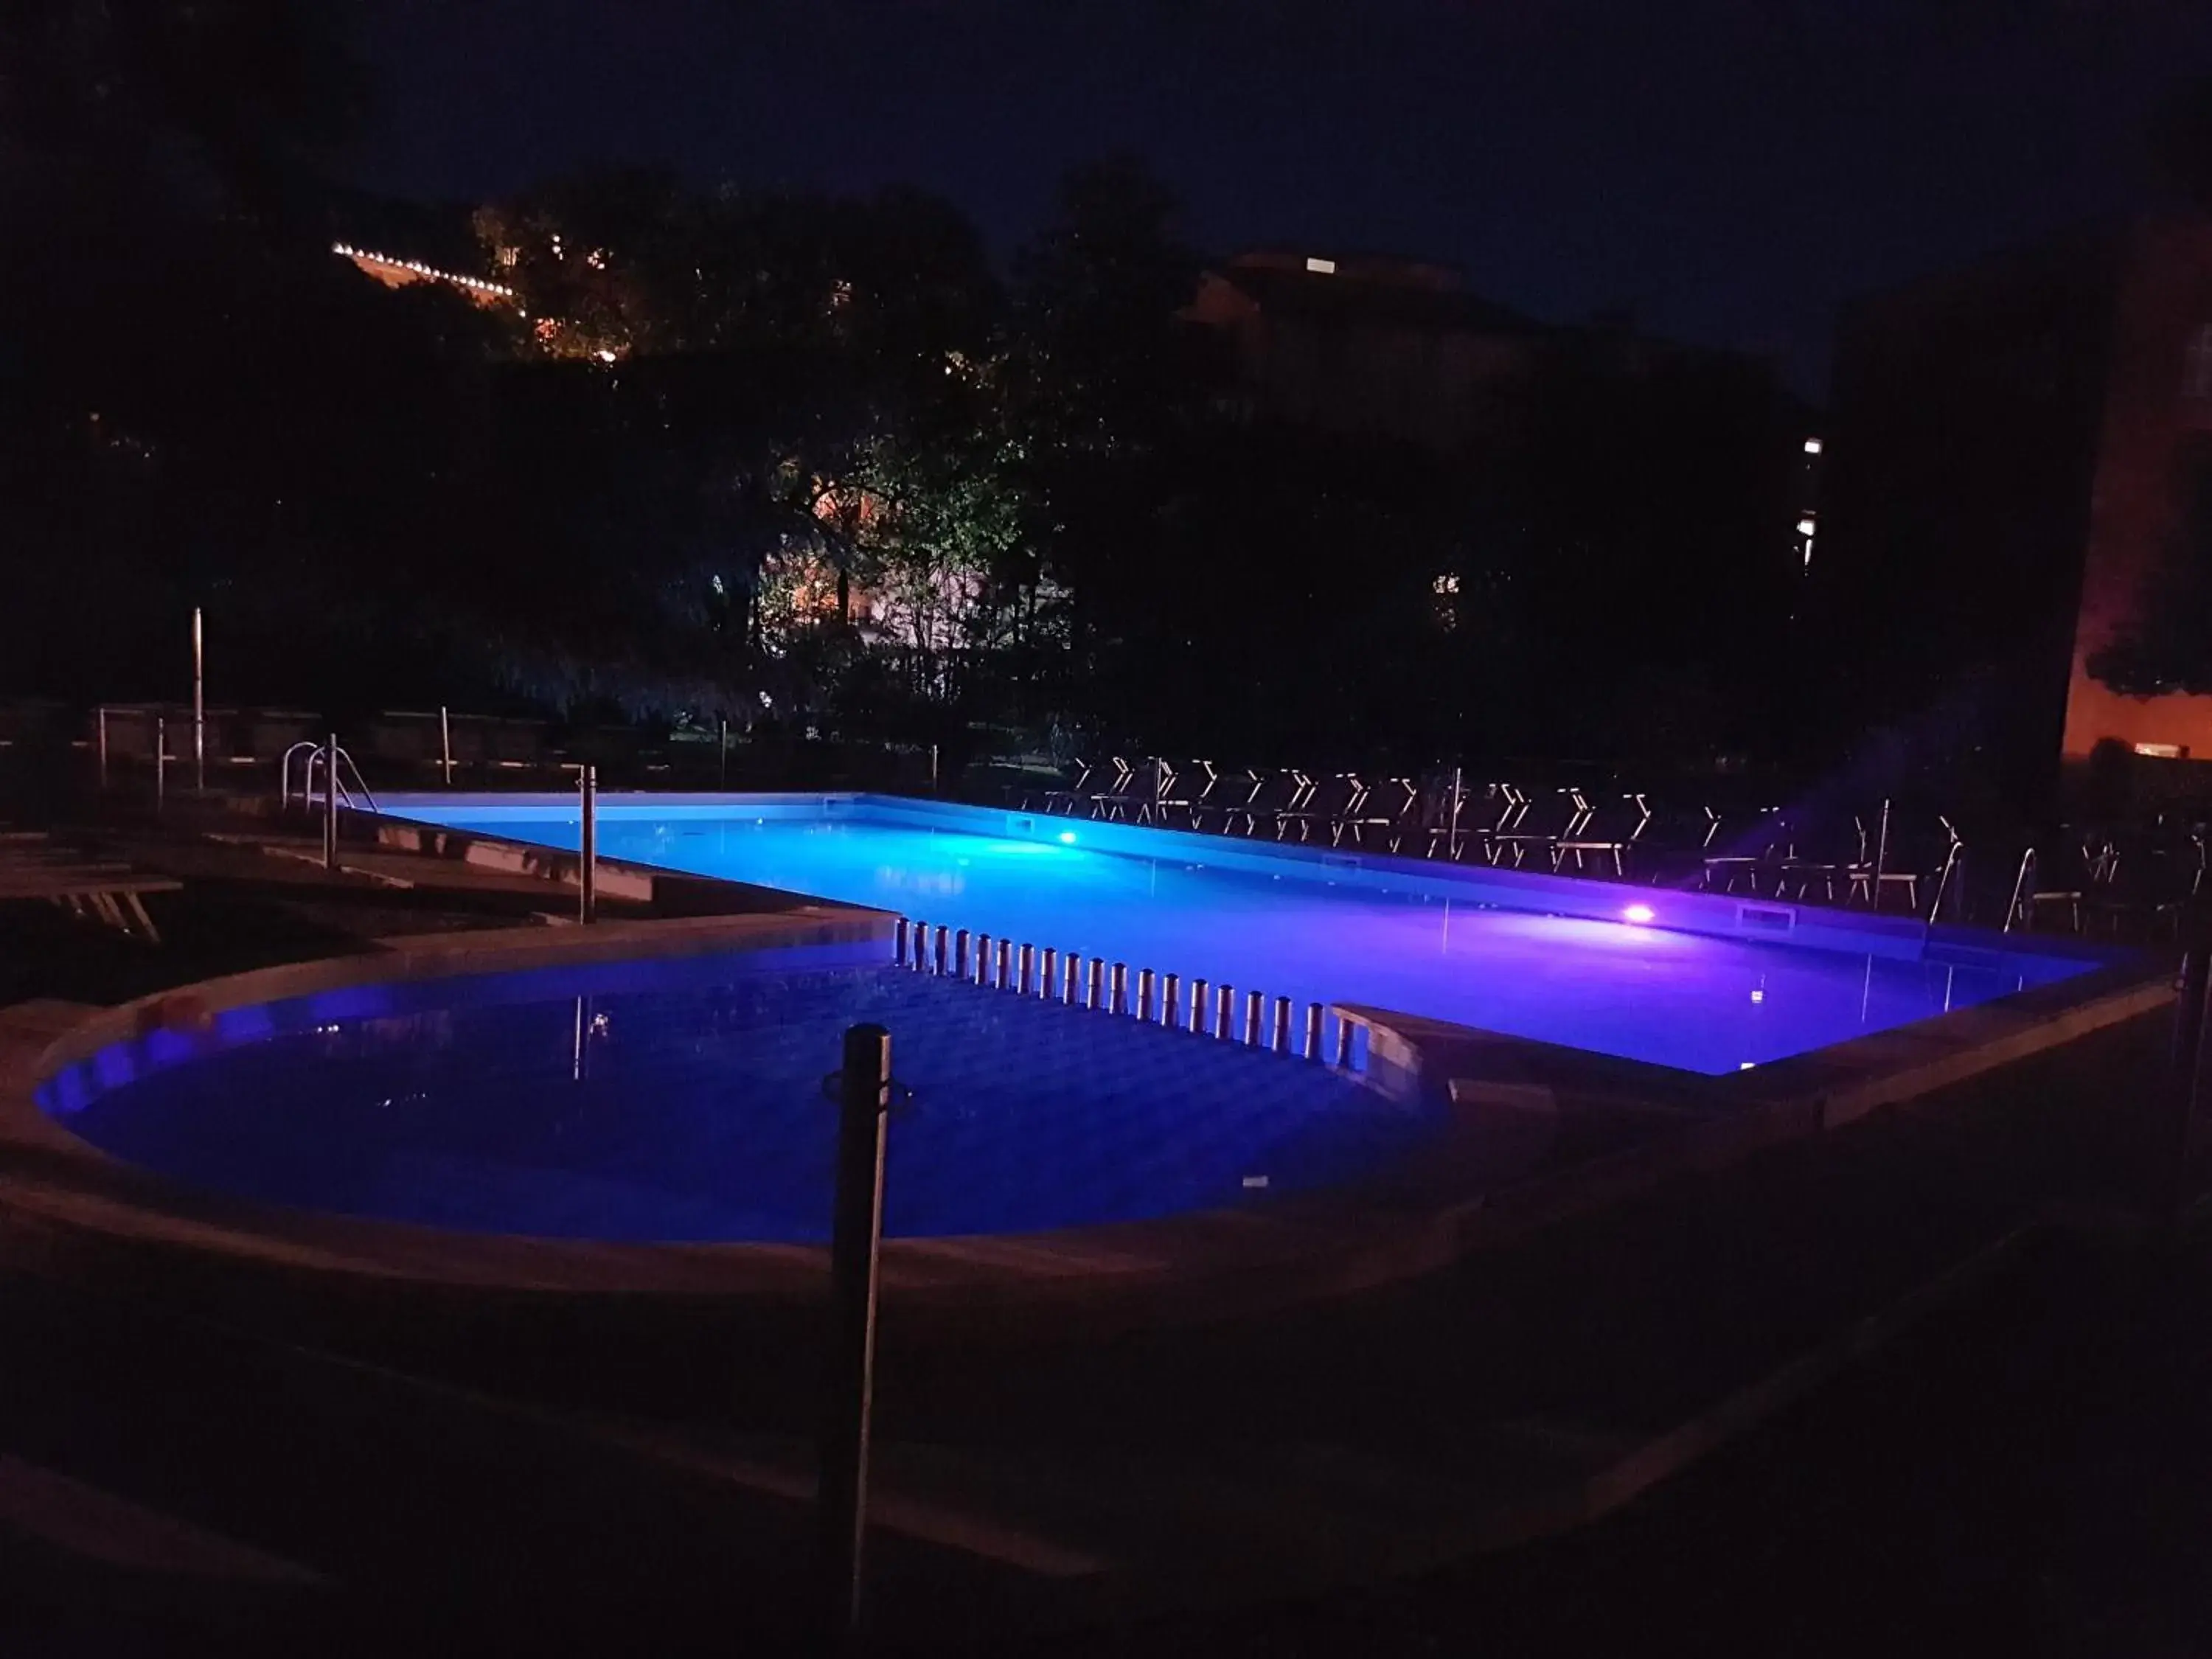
316,756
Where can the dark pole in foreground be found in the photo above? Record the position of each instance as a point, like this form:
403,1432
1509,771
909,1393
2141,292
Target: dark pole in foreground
588,888
331,804
2178,1134
864,1101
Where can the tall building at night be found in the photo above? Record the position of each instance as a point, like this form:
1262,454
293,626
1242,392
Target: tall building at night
2014,448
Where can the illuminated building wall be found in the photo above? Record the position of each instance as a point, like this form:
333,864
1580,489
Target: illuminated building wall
2004,462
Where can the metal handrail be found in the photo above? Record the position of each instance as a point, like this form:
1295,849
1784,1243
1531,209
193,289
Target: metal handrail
315,757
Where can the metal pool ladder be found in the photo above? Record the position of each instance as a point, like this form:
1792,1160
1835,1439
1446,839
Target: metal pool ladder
351,797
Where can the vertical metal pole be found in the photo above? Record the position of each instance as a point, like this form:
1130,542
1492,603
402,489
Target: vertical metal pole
199,705
898,950
982,958
1199,1007
1880,854
855,1248
1073,988
960,954
1313,1031
1282,1025
938,963
1171,1000
1256,1015
1144,995
1004,979
2176,1144
722,755
446,743
330,803
932,769
103,745
1225,1012
160,760
1458,795
588,898
1343,1043
1118,993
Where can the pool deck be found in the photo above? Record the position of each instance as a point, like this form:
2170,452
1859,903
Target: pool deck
1269,1453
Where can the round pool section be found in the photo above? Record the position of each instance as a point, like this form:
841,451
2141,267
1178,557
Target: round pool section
683,1101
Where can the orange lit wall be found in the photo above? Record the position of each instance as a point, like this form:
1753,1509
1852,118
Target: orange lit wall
2164,298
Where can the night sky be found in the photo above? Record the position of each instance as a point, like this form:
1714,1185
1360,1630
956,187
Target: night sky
1729,168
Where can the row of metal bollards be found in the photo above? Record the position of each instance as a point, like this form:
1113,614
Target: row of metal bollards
1194,1005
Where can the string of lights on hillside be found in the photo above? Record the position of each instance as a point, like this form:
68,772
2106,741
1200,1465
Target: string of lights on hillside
348,251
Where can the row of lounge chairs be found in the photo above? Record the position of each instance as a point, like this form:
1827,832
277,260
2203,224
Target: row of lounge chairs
1874,858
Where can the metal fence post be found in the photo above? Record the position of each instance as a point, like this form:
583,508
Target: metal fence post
855,1247
199,706
161,761
588,892
102,729
446,743
331,804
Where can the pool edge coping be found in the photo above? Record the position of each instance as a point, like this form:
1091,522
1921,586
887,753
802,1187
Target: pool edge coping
1201,1264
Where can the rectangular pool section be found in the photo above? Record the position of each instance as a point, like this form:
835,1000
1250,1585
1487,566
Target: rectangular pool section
1697,982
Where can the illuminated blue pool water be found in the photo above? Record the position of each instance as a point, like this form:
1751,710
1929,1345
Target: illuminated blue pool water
681,1101
1546,958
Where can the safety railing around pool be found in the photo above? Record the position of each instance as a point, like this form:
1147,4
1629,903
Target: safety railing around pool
1170,1000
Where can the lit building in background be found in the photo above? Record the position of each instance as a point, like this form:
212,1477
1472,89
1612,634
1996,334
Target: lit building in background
2016,445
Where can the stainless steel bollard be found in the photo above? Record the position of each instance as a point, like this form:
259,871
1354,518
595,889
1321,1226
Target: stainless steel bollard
960,953
1145,995
1024,980
1313,1031
938,961
1343,1043
1118,995
1256,1014
1049,975
899,948
1225,1008
855,1253
1074,992
1171,1000
1004,979
1282,1025
1094,996
1198,1007
982,958
587,874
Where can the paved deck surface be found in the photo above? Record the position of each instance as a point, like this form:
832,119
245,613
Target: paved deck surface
169,1486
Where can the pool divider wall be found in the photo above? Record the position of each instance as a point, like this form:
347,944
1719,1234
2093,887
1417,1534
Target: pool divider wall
1897,937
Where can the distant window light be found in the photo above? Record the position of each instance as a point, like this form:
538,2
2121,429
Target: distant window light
1805,526
1320,266
2164,750
1812,446
2197,376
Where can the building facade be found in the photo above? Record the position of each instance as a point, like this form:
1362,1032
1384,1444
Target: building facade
2011,455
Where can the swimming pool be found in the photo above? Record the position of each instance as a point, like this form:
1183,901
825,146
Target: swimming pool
1698,982
681,1101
